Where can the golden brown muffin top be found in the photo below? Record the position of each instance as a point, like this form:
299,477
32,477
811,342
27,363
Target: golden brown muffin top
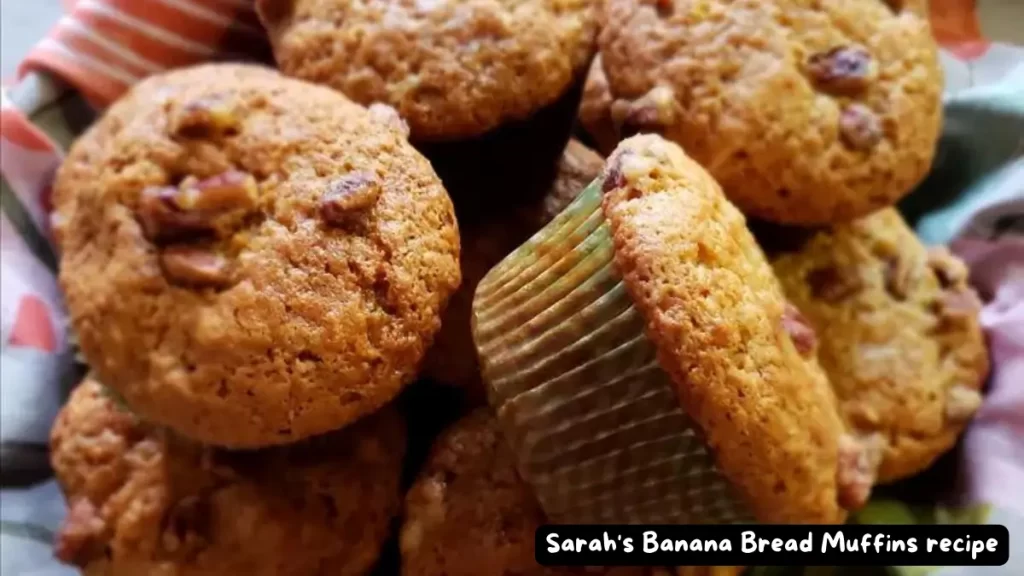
452,69
805,112
469,513
724,332
144,501
485,242
899,334
251,259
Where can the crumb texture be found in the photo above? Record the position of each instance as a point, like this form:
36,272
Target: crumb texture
250,259
144,501
452,69
899,333
805,112
469,513
720,322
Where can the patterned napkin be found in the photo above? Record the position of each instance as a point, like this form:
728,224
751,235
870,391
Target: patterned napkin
973,201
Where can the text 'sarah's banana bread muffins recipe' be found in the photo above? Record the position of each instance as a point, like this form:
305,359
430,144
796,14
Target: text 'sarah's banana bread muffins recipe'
251,259
640,353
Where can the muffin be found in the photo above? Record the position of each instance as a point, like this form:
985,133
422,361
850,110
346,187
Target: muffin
639,353
897,330
145,501
250,259
469,513
806,114
487,239
452,69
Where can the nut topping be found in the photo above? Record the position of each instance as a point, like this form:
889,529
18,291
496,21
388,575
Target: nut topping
898,277
841,71
232,190
857,469
799,330
859,127
163,220
831,285
351,193
962,403
195,266
205,118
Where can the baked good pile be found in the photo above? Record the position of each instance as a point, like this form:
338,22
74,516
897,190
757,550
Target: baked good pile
457,268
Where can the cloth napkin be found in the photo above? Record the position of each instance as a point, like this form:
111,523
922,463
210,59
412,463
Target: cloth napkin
973,201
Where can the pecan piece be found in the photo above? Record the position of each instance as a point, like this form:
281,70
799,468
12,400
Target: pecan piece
832,285
859,127
205,118
232,190
857,469
948,269
163,220
195,266
962,403
898,277
841,71
799,330
651,113
351,193
80,534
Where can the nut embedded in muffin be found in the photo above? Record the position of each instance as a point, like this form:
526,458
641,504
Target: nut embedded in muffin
144,501
805,116
639,352
898,332
250,259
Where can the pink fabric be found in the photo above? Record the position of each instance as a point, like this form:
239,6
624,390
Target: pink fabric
994,454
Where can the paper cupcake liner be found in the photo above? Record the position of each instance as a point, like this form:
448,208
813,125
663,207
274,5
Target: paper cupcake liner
595,422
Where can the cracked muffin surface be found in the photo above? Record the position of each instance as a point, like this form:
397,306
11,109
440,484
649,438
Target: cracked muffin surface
145,501
470,514
452,69
251,259
898,329
805,112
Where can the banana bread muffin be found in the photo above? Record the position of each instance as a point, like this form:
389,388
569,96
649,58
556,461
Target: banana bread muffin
451,69
145,501
805,112
251,259
898,332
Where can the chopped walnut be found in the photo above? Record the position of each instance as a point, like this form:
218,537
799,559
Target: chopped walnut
232,190
898,277
195,266
841,71
351,193
204,119
859,127
830,284
962,403
799,330
163,220
857,469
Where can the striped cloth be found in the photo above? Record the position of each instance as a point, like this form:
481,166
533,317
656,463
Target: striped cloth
974,201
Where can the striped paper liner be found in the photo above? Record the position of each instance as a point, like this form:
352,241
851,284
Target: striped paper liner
594,420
